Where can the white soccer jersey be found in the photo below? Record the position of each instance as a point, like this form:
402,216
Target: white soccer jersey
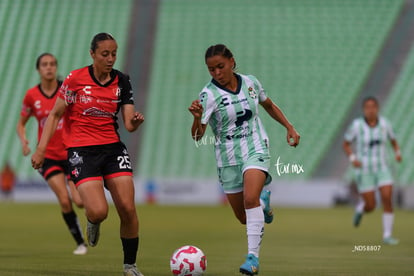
234,119
370,143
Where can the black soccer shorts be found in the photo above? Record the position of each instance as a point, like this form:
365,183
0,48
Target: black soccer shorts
98,162
53,167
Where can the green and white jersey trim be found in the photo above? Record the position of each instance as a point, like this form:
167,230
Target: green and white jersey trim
234,120
371,143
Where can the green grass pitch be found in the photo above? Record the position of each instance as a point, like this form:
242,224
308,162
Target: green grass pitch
34,241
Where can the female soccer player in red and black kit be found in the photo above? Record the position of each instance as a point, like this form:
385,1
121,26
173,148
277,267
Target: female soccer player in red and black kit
90,99
38,102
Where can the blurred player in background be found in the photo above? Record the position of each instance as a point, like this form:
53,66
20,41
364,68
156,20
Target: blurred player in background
370,135
38,102
230,104
90,98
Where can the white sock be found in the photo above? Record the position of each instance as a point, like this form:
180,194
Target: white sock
360,206
387,223
255,229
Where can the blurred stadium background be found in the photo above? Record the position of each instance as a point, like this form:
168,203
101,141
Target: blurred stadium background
317,59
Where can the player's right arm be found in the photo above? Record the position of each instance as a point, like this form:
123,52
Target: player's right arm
197,129
49,129
21,132
350,135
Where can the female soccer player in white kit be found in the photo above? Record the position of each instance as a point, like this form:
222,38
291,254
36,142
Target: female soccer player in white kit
230,104
370,134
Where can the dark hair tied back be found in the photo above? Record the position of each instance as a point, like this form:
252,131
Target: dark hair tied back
100,37
39,58
219,50
370,98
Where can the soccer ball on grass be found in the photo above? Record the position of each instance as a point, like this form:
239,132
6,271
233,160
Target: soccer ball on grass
188,260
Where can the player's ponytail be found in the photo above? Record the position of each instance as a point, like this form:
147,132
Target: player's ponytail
100,37
219,50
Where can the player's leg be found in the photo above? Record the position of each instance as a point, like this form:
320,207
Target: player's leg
123,193
388,215
118,180
254,180
236,201
366,204
75,194
57,183
366,188
96,208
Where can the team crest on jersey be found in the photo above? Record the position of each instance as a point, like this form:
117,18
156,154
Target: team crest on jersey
117,91
252,93
76,159
75,172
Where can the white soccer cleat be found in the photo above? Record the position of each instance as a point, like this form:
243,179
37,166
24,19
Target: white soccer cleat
82,249
131,270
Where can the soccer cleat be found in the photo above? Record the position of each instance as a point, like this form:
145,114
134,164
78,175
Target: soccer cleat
82,249
268,211
131,270
250,266
357,219
391,241
92,232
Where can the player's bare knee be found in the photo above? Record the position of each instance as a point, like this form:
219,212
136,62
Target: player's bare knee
97,216
127,211
369,207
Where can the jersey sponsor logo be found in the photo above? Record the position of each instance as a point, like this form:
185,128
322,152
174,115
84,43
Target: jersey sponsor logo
87,89
96,112
239,136
75,159
38,104
84,99
374,143
243,116
225,101
239,133
252,93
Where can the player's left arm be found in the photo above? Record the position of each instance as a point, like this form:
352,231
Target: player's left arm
276,113
393,140
132,118
396,149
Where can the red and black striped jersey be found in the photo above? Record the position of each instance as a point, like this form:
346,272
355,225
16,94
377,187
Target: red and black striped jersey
92,107
36,103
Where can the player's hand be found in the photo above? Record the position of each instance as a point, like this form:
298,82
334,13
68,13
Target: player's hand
38,158
25,147
137,120
196,109
356,163
292,137
398,157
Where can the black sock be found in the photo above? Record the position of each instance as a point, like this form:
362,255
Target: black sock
72,222
130,247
